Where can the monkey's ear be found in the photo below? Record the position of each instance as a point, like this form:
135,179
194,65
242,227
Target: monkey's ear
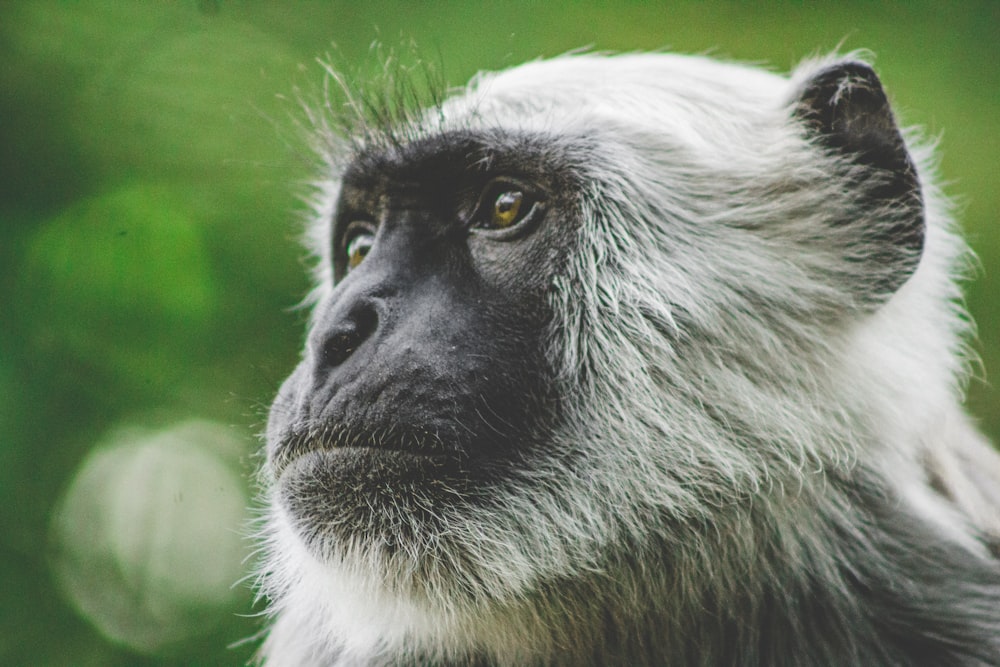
845,109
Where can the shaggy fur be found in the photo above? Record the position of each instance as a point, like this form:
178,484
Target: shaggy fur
760,456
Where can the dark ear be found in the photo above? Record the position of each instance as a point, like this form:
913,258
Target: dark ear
846,111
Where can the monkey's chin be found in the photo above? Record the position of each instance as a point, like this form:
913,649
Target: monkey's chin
347,493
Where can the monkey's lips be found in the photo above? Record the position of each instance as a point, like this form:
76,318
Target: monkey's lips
366,449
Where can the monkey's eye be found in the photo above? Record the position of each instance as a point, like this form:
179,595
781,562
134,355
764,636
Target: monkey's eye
358,240
503,207
506,209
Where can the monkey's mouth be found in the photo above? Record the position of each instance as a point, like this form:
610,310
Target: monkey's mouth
341,441
347,480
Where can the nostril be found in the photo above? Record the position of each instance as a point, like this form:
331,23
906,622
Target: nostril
338,348
342,341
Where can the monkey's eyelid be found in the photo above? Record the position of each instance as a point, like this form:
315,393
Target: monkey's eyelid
360,243
354,229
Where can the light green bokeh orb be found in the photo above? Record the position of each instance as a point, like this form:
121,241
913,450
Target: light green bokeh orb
148,543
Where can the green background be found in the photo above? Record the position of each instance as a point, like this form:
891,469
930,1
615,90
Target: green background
150,169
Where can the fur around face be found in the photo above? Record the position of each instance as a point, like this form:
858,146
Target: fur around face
761,456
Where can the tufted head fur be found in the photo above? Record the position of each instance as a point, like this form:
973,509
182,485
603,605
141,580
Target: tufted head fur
754,355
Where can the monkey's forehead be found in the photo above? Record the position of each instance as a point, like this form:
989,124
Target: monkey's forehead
638,88
650,103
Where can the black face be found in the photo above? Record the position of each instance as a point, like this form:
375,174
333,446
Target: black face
424,382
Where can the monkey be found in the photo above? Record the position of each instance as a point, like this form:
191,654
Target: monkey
633,359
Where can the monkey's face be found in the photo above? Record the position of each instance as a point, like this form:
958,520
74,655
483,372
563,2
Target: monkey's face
423,380
595,299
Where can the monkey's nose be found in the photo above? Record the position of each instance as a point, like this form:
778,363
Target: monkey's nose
347,334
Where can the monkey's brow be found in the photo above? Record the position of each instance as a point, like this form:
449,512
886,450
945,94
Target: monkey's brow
449,155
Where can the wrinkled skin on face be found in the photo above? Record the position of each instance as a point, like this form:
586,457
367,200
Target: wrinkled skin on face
424,379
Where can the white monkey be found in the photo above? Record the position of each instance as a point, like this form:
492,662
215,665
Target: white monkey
633,360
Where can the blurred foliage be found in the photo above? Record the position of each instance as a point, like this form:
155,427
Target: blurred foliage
149,168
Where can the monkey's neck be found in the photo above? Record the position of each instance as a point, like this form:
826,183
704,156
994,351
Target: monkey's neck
852,580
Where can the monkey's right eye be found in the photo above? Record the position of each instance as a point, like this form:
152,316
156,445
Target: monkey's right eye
358,240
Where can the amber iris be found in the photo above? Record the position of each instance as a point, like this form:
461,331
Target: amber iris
506,209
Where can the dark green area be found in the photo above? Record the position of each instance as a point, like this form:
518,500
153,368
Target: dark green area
149,172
